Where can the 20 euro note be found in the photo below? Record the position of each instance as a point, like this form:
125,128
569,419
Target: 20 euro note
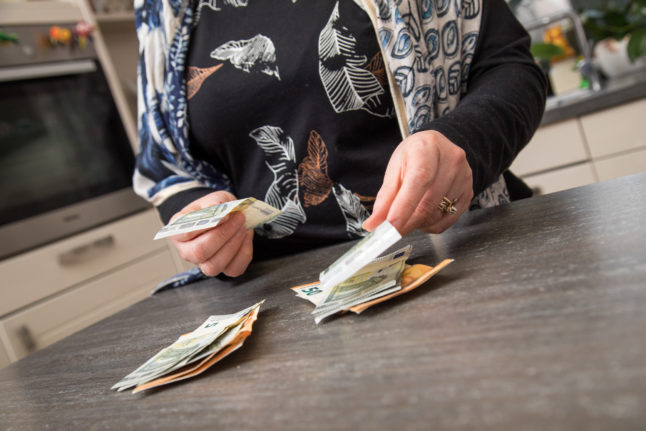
256,212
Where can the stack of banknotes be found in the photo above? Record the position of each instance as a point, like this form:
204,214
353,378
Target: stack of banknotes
194,352
256,213
378,281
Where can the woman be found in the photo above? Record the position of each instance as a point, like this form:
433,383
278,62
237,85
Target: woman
342,113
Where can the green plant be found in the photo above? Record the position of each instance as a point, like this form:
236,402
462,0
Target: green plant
546,51
616,19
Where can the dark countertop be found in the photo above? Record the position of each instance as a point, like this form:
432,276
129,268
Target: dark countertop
538,324
577,103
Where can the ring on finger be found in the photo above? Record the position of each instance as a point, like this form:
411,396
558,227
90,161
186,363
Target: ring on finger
447,206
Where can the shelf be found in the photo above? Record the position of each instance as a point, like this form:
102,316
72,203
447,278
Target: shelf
115,17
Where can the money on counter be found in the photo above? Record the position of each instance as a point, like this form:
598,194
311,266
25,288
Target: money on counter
371,246
255,211
193,353
379,281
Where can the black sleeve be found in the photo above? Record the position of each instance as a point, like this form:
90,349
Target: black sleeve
176,202
505,97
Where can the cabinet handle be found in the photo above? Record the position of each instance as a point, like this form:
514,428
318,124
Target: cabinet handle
28,342
86,251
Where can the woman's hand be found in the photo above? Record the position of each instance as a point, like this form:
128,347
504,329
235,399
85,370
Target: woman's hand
226,248
424,168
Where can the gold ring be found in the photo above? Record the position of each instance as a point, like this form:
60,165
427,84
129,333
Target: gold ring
447,206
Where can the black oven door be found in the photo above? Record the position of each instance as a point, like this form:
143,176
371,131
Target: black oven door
66,161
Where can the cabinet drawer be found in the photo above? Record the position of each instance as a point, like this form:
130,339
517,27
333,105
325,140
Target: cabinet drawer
620,166
45,323
615,130
562,179
552,146
37,274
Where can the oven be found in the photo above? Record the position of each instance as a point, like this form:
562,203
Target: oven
66,161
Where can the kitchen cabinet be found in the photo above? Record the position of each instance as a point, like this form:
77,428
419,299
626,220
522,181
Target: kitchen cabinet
558,144
621,165
56,290
616,130
582,150
4,357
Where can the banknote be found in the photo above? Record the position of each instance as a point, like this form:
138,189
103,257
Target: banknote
379,277
359,255
412,277
226,344
186,349
256,212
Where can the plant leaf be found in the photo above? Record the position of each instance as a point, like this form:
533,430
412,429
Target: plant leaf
545,51
637,44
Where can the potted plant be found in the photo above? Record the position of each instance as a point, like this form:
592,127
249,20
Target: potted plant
618,29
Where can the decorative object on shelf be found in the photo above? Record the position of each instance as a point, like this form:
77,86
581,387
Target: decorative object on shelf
11,38
618,28
77,36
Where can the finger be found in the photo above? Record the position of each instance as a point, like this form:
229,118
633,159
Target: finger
386,194
242,258
464,192
206,201
427,211
419,174
222,258
189,236
447,220
203,247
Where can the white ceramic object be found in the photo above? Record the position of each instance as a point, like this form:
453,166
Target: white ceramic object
612,58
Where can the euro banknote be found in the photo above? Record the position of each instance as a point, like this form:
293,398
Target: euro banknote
256,212
210,337
379,277
371,246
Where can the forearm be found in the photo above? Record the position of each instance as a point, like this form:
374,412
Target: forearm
505,99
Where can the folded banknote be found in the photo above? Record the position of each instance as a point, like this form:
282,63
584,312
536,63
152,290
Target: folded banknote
194,352
256,212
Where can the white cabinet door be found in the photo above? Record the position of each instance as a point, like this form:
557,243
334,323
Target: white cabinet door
554,145
562,179
622,165
47,322
48,270
616,130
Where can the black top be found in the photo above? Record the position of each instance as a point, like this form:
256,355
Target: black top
260,111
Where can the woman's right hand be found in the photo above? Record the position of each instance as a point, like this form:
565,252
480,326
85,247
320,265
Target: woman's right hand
226,248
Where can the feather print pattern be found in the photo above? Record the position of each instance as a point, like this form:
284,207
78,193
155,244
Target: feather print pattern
353,212
196,77
348,85
257,54
283,191
377,68
213,5
312,172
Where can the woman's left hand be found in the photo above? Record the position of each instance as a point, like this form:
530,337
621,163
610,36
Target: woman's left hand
425,168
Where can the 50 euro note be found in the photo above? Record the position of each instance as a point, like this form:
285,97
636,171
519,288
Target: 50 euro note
187,348
256,212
